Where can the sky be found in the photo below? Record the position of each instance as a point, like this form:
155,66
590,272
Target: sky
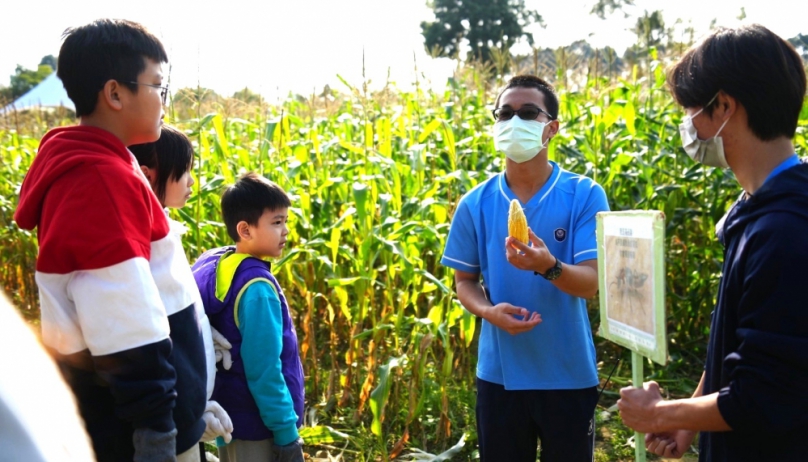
276,47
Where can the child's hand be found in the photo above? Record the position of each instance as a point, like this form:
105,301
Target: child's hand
222,348
292,452
217,423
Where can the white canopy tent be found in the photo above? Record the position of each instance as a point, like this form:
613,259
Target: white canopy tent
49,93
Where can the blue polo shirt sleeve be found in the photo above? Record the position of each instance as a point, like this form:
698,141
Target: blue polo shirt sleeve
584,234
261,326
461,252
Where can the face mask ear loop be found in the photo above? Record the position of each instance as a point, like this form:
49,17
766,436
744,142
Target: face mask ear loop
697,113
702,108
722,127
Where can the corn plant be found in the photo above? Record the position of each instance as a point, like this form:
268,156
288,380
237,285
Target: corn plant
374,178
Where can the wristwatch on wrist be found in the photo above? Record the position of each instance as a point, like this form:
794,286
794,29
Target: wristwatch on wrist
552,273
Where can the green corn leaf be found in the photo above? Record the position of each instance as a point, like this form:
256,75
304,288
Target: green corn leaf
379,395
218,125
430,127
321,434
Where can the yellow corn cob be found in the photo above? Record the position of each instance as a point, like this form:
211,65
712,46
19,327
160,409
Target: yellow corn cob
517,223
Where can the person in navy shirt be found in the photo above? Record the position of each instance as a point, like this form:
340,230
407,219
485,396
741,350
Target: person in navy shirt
536,373
742,91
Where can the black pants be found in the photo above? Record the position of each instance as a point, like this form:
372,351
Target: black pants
510,423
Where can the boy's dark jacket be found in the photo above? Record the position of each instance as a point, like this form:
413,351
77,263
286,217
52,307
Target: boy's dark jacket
758,350
116,303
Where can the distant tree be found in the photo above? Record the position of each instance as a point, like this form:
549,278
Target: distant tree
685,39
578,57
50,60
190,96
484,25
540,62
800,43
187,103
26,79
581,48
609,61
5,96
651,33
650,29
248,96
604,7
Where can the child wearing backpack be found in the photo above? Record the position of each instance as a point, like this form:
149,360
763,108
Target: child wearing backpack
263,391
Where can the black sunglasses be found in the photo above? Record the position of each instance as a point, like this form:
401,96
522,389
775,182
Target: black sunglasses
163,89
525,113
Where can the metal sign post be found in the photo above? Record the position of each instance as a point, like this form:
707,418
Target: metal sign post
637,379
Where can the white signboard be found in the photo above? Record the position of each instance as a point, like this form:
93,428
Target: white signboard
631,273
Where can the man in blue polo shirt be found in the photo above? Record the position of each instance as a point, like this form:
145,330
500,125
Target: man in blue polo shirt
536,373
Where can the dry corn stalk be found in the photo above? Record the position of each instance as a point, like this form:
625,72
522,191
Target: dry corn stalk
517,223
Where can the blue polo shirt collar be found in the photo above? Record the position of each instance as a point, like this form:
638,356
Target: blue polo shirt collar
537,198
784,165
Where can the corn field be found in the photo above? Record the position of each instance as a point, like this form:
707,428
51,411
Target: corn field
389,352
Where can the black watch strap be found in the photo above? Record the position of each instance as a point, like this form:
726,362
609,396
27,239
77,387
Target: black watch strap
553,273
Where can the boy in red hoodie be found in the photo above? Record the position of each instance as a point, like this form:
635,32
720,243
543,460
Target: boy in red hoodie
112,281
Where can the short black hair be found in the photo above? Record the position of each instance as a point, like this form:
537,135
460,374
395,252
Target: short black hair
247,199
531,81
103,50
171,156
751,64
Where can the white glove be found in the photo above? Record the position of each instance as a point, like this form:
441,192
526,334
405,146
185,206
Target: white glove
217,423
222,348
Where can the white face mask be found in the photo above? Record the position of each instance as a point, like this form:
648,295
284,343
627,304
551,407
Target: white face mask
520,140
709,152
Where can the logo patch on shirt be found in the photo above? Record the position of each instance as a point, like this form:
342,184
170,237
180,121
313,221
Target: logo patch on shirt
560,234
591,426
